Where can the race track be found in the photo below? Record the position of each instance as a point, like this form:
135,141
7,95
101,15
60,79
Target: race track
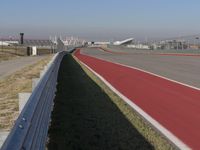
172,101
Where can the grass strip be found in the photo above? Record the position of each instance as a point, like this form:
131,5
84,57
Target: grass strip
84,117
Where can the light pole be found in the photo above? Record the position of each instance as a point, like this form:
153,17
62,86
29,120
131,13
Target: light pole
1,44
188,45
197,42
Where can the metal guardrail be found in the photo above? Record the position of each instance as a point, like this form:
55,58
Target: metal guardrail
31,128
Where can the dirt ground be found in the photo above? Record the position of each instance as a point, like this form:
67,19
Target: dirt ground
7,56
20,81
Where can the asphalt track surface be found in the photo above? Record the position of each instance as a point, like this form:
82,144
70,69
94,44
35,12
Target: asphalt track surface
114,48
11,66
173,105
185,69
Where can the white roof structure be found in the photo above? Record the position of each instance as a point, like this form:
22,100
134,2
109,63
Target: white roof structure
123,42
4,43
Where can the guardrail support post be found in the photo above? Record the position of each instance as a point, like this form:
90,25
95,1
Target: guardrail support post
23,98
41,73
35,82
3,136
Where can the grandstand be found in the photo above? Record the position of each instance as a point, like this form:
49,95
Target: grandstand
28,43
38,43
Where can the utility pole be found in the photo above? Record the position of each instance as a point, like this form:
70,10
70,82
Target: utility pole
1,44
177,45
146,40
182,44
197,41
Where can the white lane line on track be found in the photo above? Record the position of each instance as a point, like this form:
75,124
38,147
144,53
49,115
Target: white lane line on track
184,84
170,136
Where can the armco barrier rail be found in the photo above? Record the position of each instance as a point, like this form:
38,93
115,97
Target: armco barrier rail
31,128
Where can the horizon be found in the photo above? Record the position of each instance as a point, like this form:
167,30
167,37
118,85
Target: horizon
100,20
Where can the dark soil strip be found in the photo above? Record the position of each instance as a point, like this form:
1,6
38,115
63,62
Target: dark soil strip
84,118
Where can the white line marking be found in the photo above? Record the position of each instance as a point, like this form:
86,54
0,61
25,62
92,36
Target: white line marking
190,86
177,142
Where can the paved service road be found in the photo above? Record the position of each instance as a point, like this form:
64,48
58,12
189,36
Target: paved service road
10,66
185,69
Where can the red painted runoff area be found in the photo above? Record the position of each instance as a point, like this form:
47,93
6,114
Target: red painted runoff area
174,106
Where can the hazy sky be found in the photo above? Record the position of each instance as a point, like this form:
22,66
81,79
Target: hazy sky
100,19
